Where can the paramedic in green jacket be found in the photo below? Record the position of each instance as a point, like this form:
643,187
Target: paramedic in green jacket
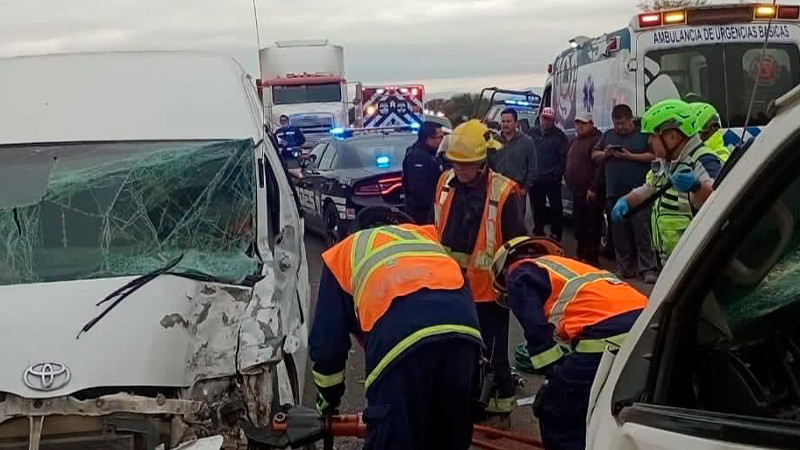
685,162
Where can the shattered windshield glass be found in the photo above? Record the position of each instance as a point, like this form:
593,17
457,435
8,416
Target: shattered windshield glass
97,210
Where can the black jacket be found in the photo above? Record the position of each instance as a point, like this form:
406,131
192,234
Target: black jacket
552,146
421,170
461,232
516,160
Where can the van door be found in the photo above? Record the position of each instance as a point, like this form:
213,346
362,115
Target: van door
723,369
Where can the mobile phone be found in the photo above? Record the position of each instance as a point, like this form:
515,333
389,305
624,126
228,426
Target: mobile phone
614,148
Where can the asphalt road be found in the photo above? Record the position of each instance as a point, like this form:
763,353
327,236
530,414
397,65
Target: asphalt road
522,420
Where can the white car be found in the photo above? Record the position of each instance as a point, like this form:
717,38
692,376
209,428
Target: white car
153,283
714,360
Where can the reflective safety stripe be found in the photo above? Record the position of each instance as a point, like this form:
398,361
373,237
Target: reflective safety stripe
501,405
387,253
560,270
326,381
461,258
599,345
363,243
399,233
547,357
412,339
571,289
321,404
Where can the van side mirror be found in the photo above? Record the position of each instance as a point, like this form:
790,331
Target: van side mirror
307,160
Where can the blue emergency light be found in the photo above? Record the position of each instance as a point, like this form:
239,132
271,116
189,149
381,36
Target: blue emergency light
415,126
517,102
382,162
336,131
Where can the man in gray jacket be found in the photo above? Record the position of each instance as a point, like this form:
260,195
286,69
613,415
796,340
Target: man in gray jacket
517,158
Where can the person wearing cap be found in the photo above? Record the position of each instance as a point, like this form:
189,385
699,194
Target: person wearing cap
587,213
569,312
686,166
394,287
626,156
551,161
476,211
517,158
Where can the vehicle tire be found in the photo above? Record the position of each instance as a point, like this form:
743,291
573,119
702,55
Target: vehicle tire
333,232
606,244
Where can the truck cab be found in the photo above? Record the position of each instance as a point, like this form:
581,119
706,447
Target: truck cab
714,362
305,80
153,282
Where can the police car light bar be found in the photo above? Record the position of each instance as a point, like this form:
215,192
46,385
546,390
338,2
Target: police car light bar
343,133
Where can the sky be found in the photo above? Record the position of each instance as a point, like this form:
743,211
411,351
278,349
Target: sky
449,45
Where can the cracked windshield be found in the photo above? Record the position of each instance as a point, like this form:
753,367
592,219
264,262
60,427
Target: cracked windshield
98,210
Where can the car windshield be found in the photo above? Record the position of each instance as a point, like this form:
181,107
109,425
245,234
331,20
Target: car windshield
379,152
97,210
724,75
314,93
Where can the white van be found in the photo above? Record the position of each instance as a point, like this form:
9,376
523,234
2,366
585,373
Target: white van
714,360
705,53
153,282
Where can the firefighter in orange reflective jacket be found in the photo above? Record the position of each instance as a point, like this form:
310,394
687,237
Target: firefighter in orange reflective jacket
569,312
476,210
397,290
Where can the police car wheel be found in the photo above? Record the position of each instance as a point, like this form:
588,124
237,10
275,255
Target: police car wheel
332,226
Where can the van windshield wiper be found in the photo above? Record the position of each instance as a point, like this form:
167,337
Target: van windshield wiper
126,290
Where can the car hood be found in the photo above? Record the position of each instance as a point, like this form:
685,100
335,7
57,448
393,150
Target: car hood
169,333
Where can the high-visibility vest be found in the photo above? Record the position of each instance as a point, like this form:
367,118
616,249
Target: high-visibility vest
376,266
490,236
672,212
582,295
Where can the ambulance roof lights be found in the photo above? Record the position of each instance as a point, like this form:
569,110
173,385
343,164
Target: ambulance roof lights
674,17
765,12
649,20
791,12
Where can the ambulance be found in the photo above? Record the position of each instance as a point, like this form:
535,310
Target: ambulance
707,53
393,106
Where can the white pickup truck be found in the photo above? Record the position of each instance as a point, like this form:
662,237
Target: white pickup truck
153,283
714,360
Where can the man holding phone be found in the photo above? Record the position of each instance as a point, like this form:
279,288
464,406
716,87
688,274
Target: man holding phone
626,156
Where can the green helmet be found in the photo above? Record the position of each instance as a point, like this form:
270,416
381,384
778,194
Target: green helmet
704,115
671,113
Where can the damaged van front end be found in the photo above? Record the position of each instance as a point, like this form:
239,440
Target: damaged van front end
153,292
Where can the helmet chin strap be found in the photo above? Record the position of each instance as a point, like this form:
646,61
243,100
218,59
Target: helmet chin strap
671,151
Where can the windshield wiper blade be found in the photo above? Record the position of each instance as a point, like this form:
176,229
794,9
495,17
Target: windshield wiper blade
126,290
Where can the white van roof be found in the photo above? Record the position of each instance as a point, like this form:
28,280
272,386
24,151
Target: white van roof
125,96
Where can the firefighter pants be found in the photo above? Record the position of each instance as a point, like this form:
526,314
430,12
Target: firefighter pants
424,401
494,320
563,402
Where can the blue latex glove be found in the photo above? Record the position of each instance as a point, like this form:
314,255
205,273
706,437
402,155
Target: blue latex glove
685,180
620,209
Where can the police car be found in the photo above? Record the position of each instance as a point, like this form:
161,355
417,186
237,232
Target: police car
350,170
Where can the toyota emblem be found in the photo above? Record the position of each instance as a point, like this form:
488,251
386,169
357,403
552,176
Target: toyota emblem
46,376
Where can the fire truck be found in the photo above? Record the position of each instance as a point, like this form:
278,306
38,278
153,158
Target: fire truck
392,106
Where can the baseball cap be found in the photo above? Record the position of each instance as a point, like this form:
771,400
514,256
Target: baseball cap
584,117
549,113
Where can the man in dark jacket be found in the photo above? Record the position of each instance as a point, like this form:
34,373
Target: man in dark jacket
551,161
421,171
587,213
517,158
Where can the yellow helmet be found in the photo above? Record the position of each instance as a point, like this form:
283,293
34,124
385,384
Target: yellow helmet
538,246
470,142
